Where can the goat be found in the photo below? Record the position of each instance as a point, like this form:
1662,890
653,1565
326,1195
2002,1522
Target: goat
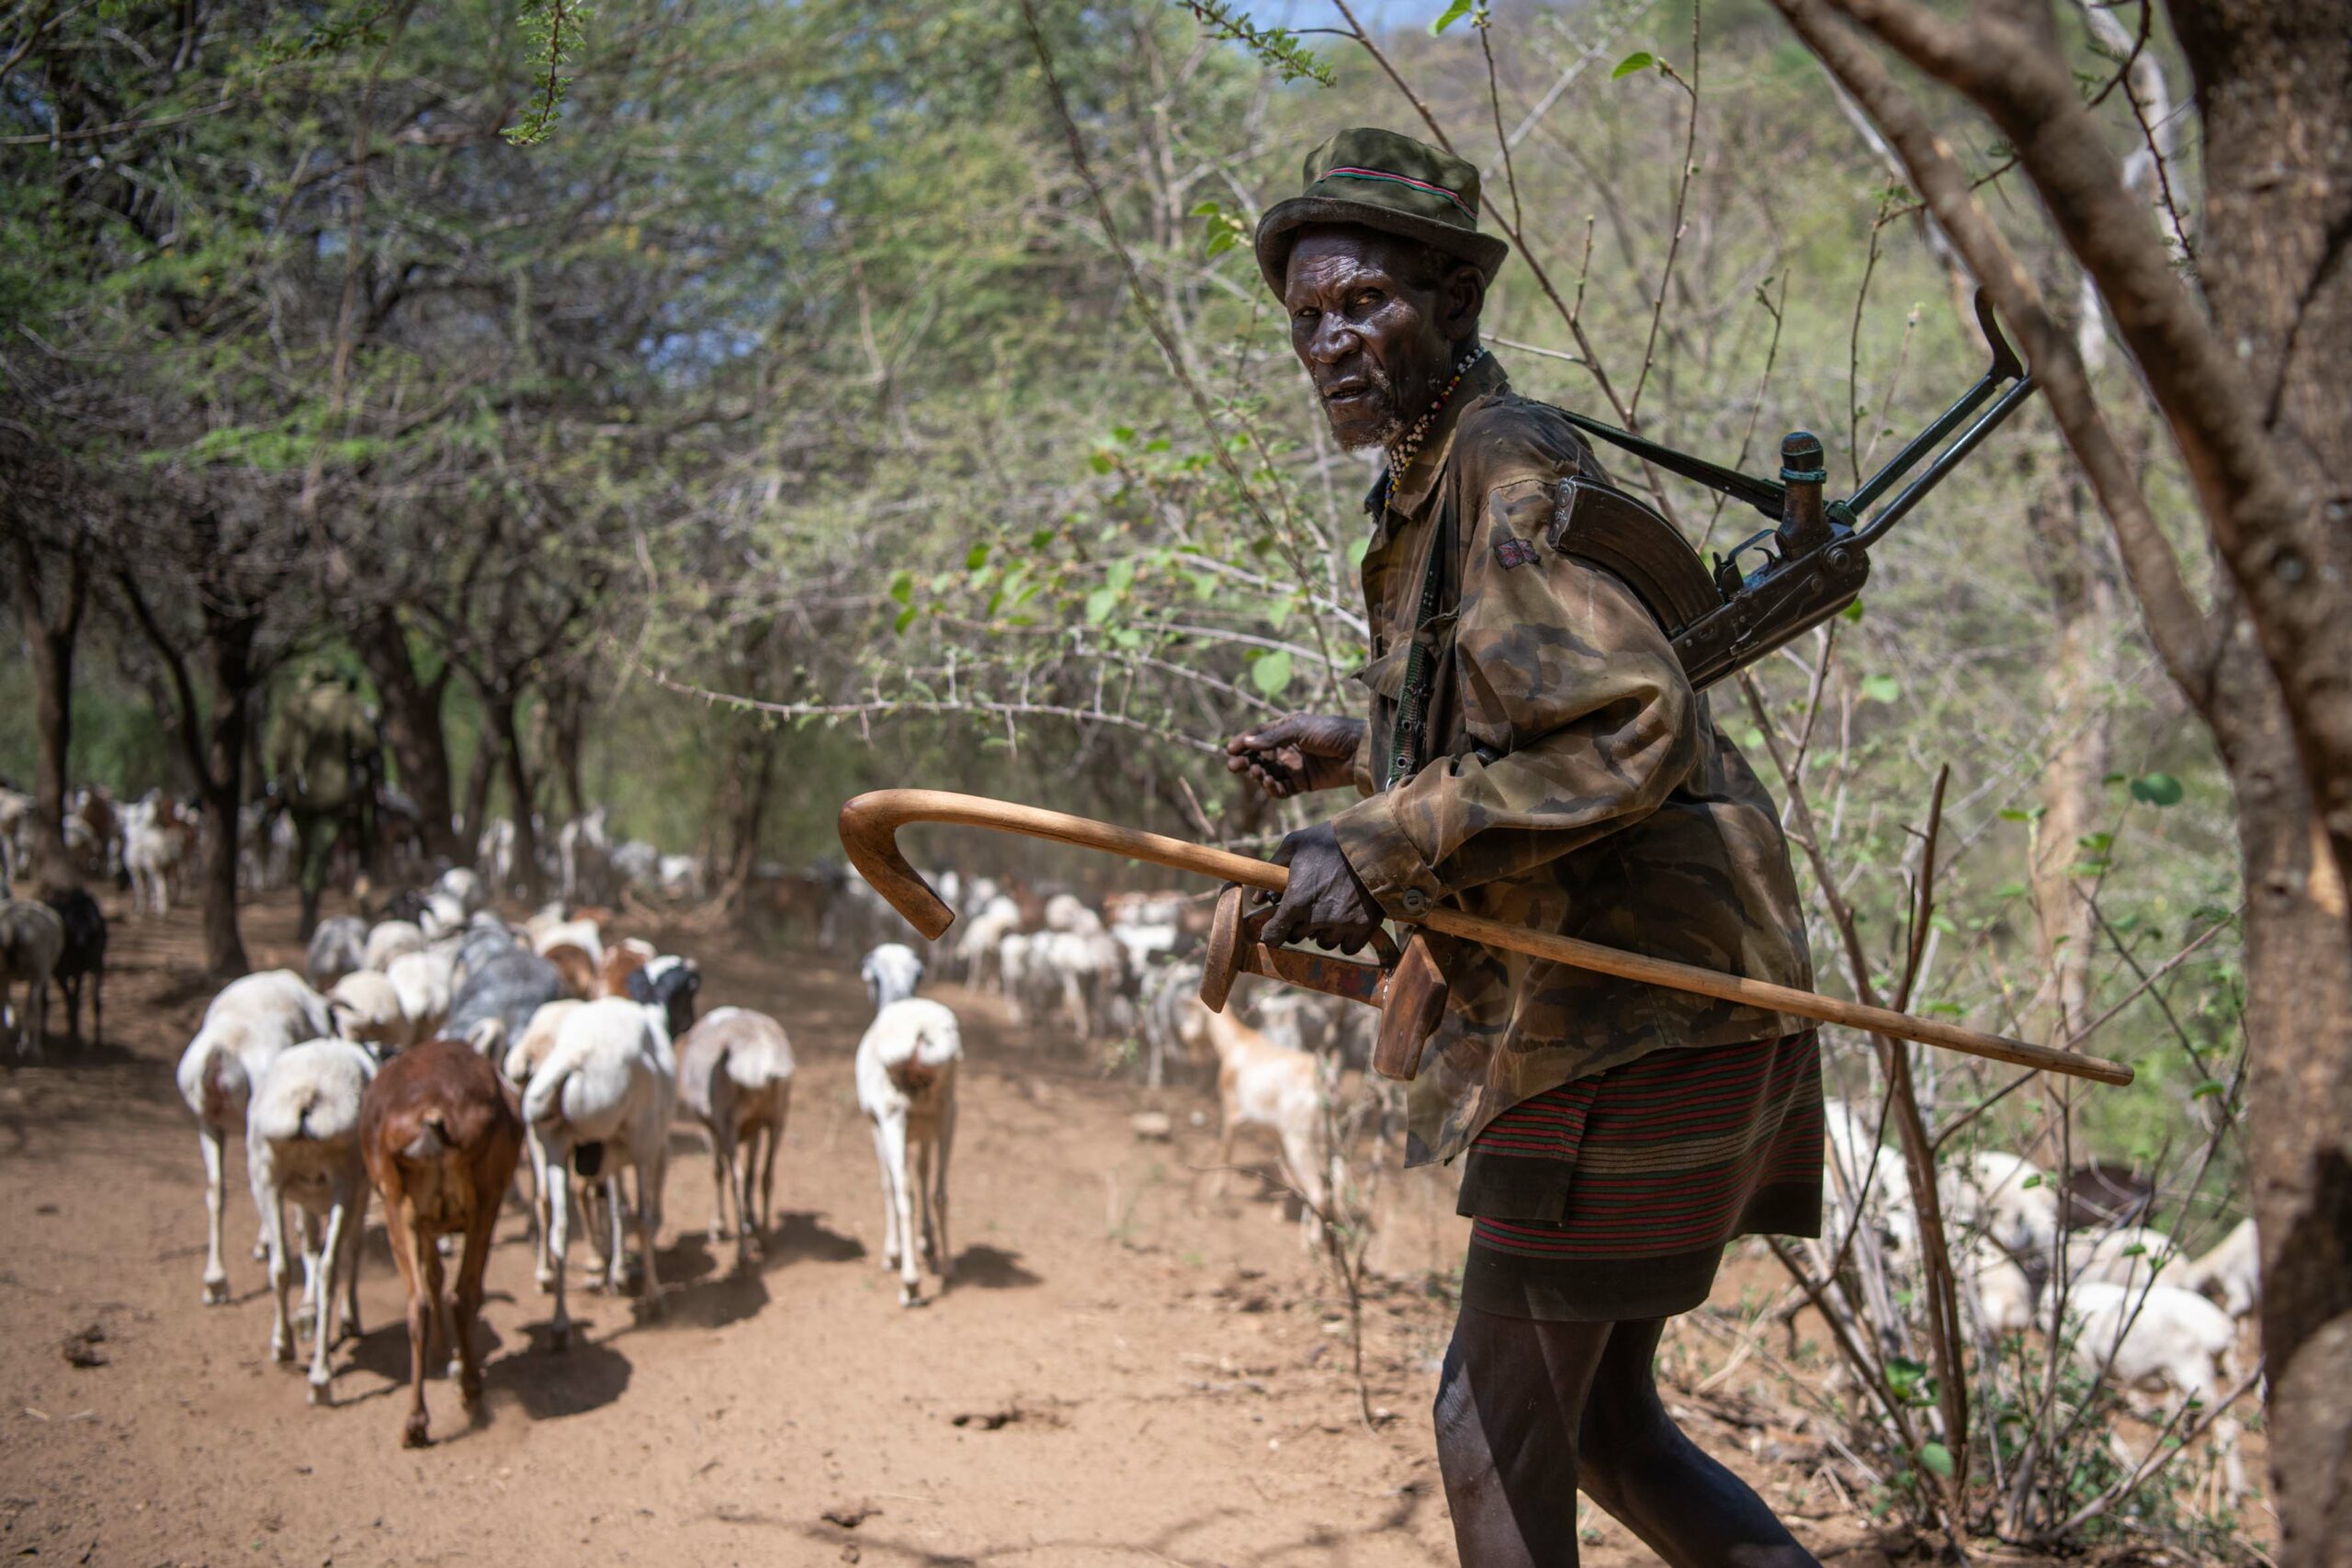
891,973
248,1025
671,984
584,934
423,981
367,1008
302,1135
976,946
494,856
386,940
2232,1273
32,939
906,1085
443,915
735,1077
83,957
526,1057
637,867
585,849
579,970
2159,1335
2128,1254
337,947
603,1098
1259,1083
461,884
440,1141
152,849
679,879
508,985
624,958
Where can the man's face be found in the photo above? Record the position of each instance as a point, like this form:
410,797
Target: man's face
1375,335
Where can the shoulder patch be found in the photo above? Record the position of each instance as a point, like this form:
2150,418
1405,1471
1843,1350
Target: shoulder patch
1514,552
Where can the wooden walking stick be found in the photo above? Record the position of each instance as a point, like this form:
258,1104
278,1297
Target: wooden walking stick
1406,985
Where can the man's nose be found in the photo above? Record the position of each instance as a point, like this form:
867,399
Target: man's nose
1332,340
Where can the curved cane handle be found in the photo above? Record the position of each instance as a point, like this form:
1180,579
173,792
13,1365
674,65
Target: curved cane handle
870,825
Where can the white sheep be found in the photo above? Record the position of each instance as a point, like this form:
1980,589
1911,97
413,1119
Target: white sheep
2128,1255
2158,1337
584,934
444,915
463,885
906,1086
1993,1287
603,1099
735,1077
977,944
1261,1083
336,948
248,1025
2231,1273
528,1052
302,1135
152,851
1068,912
32,939
891,973
386,940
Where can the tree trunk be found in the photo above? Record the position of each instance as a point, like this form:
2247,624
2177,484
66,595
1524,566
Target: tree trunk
499,710
51,634
230,640
755,767
567,716
413,726
2274,85
479,778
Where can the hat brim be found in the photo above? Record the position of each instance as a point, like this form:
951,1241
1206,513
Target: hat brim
1278,231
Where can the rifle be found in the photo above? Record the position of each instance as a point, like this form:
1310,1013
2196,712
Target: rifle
1815,557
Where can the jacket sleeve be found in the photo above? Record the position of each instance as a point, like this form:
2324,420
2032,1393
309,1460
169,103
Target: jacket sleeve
1579,718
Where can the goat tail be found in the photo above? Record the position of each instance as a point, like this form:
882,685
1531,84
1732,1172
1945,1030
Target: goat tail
431,1138
542,1096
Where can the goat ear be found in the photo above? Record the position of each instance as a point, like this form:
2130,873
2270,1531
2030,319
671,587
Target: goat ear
340,1013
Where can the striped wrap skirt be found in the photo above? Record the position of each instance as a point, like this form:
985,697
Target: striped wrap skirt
1609,1198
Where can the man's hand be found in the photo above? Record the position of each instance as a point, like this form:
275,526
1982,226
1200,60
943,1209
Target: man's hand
1295,753
1324,902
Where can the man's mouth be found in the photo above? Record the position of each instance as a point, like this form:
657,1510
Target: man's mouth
1350,392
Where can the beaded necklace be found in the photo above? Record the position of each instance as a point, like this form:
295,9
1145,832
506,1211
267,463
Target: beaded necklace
1408,446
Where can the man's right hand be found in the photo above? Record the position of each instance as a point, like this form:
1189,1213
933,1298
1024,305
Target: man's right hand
1295,753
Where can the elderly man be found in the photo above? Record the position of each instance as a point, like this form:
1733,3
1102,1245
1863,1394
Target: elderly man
328,762
1535,754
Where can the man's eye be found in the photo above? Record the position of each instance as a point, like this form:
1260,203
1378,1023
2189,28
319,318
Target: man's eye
1369,299
1307,314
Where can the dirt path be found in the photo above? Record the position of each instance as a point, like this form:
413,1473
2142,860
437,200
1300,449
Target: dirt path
1125,1372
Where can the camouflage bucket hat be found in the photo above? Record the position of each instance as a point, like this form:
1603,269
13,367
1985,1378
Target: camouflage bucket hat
1385,180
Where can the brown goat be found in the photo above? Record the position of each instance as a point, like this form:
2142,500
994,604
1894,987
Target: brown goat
624,958
441,1140
577,969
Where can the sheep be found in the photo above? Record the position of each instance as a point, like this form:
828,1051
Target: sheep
527,1056
579,970
1085,971
83,957
423,981
484,936
978,945
390,939
2232,1273
367,1009
440,1143
671,984
891,973
1995,1287
461,884
494,857
302,1135
906,1086
337,947
248,1025
2157,1335
508,985
679,879
1164,1017
151,852
735,1077
442,914
603,1098
1068,912
32,939
1259,1083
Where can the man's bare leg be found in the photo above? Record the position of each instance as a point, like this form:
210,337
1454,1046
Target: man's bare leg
1530,1411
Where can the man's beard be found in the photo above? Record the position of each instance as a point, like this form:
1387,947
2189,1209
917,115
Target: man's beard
1391,425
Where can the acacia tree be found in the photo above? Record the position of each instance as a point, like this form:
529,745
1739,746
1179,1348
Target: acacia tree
2242,358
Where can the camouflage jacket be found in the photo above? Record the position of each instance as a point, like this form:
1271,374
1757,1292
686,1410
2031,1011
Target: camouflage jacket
325,747
1574,781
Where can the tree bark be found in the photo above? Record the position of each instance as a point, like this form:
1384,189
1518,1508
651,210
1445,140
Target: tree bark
230,638
498,708
52,635
413,726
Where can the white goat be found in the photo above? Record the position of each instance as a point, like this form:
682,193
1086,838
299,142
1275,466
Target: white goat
386,940
2231,1273
462,884
1068,912
891,973
444,915
1261,1083
529,1053
585,935
2128,1255
735,1077
151,852
302,1135
977,944
603,1099
906,1085
248,1025
424,981
2160,1336
32,939
367,1008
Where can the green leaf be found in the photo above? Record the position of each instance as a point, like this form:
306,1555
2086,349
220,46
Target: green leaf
1936,1458
2011,890
1120,575
2158,790
906,618
1357,551
2209,1088
1041,538
1100,462
1272,673
1453,13
1882,688
1640,60
902,588
976,558
1099,605
1852,612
